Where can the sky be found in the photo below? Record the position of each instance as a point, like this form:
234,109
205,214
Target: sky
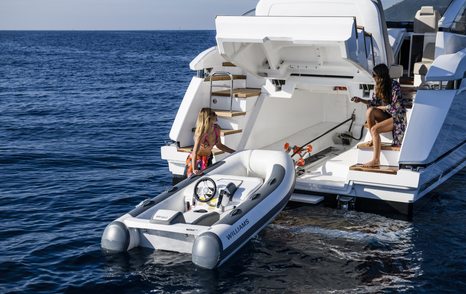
117,14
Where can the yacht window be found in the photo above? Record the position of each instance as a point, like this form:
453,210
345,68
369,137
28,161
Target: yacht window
404,10
251,12
459,25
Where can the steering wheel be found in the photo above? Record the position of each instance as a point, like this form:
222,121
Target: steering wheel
205,190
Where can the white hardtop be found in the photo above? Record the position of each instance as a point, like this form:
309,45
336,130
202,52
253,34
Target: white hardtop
343,38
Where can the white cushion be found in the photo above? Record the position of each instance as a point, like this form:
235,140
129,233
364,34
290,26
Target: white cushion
396,71
426,20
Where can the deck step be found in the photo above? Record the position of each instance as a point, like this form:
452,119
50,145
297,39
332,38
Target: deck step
227,113
239,92
229,132
384,169
228,64
305,198
189,149
224,78
385,146
224,132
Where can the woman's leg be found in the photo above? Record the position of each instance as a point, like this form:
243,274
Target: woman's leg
381,127
373,116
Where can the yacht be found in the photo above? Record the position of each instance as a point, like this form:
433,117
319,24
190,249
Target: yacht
281,77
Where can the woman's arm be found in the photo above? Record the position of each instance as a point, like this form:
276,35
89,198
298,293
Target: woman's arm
359,99
194,155
223,147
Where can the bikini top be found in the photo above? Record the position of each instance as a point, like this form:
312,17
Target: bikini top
205,140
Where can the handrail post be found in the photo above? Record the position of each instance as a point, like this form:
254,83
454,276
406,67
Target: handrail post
231,87
372,48
364,35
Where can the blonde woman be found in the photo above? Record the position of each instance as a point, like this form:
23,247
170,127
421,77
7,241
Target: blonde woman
206,136
386,112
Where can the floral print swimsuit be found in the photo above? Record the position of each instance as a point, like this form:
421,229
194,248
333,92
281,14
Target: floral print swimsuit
397,110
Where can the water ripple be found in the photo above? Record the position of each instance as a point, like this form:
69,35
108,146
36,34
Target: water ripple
83,117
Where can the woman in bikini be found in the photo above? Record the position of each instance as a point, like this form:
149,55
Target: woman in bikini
206,136
386,112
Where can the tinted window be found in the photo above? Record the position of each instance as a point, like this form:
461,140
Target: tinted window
405,10
459,25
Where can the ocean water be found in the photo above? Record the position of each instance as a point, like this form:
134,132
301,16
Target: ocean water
82,119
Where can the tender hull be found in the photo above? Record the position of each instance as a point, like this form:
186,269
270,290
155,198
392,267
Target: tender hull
265,181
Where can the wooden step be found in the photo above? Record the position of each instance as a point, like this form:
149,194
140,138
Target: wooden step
227,113
224,78
228,64
383,169
225,132
385,146
189,149
239,92
229,132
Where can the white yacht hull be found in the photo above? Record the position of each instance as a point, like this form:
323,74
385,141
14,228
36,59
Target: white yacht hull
304,61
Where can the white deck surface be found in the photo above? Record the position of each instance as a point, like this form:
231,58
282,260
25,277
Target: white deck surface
330,173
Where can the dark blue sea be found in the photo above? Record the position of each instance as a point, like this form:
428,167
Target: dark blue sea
82,118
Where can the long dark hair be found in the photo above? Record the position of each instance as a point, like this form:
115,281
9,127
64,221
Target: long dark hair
383,83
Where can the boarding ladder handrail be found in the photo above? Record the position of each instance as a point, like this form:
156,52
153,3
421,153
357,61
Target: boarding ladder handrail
218,73
352,119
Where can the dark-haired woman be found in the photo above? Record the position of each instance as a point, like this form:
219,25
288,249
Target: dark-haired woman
386,112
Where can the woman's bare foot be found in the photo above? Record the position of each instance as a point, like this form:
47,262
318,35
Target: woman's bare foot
372,163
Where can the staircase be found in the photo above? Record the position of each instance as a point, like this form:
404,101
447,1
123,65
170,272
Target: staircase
232,101
389,156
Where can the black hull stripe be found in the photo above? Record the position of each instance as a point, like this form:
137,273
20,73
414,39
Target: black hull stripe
321,76
440,176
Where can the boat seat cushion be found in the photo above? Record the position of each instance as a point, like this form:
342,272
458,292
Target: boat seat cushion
201,217
167,217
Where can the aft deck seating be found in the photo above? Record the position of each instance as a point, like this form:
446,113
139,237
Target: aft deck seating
201,217
428,56
425,22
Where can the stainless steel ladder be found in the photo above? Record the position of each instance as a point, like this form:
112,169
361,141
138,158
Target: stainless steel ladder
221,73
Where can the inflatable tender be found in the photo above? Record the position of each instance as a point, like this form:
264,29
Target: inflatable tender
210,216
